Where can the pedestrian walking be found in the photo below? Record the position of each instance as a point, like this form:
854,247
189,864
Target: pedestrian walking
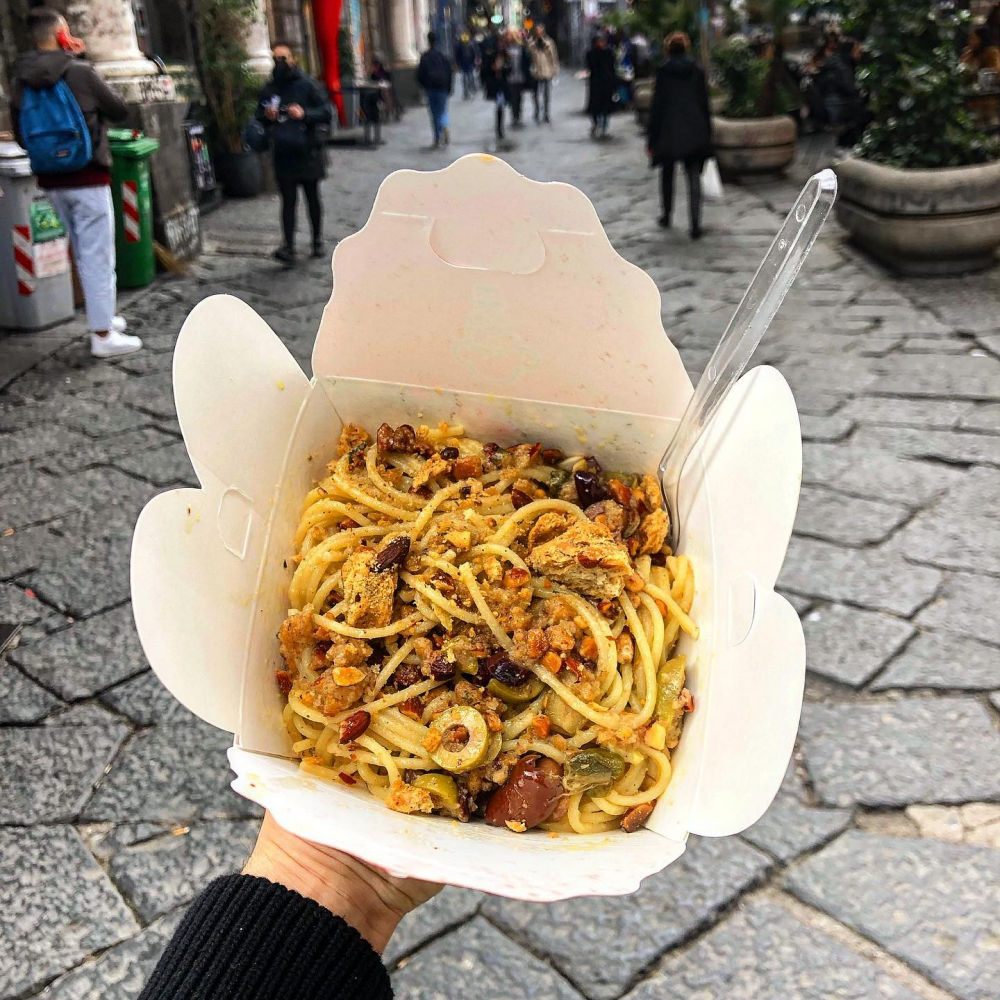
496,77
434,74
544,67
600,85
296,113
55,94
466,58
680,127
519,78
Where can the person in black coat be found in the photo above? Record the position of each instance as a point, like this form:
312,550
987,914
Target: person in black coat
680,127
601,85
495,73
294,109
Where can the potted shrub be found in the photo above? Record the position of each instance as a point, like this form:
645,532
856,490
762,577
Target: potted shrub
921,191
230,88
755,132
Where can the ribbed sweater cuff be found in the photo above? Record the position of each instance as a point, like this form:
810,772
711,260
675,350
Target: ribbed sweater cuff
245,938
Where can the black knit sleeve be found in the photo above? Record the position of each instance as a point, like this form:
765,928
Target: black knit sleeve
245,938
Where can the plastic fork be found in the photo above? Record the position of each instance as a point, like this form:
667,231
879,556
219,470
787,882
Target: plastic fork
753,316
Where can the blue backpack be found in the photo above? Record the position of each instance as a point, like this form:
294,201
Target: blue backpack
53,130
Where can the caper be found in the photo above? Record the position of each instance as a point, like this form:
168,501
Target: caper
592,769
443,789
531,688
475,748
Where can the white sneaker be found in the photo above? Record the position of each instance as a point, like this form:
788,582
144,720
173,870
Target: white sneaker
113,344
119,323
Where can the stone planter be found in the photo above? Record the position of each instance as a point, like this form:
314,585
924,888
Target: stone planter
753,145
922,222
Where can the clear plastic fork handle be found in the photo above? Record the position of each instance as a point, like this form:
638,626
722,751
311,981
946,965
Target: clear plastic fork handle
753,316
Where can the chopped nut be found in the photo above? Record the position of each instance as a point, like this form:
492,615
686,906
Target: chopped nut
626,647
515,578
460,540
551,661
686,700
411,708
467,467
353,726
636,817
519,499
493,721
284,679
536,643
516,825
540,726
635,583
560,638
346,676
588,647
660,606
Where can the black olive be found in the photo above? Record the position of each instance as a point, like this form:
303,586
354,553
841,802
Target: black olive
392,554
449,454
589,488
442,669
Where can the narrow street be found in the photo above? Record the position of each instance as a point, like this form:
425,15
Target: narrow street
874,872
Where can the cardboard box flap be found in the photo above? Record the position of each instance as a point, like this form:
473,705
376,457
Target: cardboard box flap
514,277
753,453
196,553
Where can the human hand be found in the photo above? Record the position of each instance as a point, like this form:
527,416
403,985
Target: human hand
271,113
295,111
369,899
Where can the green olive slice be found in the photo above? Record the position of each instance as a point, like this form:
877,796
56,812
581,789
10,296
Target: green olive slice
530,689
592,769
443,789
472,752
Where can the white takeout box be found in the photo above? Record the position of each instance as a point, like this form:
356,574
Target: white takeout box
475,295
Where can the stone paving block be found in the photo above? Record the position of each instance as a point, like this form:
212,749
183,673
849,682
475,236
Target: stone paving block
96,418
893,753
146,701
33,442
478,958
49,771
791,825
962,530
667,907
927,906
164,467
176,772
952,377
958,446
159,873
151,395
982,417
850,645
448,908
844,519
120,972
60,376
29,497
832,428
763,952
894,411
968,604
935,345
876,578
86,657
995,700
101,451
942,660
18,607
58,906
875,474
22,700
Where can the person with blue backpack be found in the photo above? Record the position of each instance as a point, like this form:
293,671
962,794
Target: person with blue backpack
60,106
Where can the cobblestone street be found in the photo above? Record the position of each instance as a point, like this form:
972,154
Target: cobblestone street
874,874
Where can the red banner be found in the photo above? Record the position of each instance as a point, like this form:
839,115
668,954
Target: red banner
326,18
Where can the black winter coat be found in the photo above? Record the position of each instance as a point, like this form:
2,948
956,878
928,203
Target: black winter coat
435,72
297,146
603,81
680,123
495,79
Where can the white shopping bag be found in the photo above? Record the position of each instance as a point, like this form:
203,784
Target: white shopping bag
711,181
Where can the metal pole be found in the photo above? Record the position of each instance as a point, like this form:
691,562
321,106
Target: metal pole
703,36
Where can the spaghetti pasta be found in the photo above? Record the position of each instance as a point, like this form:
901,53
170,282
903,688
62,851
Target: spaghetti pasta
485,631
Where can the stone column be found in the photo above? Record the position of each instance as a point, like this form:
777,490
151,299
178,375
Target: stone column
422,23
259,43
108,28
403,55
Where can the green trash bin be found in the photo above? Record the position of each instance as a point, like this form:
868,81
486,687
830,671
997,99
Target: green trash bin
132,194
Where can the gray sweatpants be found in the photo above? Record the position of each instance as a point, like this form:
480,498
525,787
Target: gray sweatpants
89,218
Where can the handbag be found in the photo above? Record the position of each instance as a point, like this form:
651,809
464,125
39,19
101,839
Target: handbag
711,181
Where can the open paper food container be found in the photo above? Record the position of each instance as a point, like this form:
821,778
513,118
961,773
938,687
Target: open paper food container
477,296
